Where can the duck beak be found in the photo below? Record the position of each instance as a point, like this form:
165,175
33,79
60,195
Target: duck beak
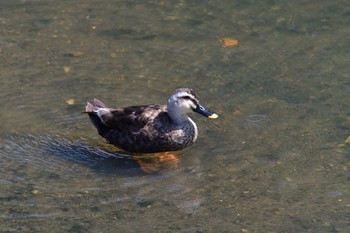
201,110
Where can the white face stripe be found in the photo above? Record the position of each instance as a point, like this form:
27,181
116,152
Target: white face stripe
186,94
183,94
190,102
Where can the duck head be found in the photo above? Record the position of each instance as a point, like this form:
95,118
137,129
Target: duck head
184,101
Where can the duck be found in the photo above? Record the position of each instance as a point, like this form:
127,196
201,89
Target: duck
150,128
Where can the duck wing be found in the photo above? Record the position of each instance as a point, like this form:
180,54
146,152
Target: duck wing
131,118
133,128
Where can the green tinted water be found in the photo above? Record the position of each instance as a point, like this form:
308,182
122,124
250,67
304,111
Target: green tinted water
275,161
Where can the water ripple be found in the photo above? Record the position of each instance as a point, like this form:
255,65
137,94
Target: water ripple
255,120
54,152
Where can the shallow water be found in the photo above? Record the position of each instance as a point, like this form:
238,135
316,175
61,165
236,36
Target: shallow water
275,161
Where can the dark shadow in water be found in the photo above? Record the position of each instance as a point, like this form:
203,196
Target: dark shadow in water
127,33
48,151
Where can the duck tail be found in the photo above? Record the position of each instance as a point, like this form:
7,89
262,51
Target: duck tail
93,107
91,110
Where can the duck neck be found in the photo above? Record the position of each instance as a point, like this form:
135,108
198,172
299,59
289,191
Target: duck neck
182,120
177,116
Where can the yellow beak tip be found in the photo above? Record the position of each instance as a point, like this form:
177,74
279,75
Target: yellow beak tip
213,116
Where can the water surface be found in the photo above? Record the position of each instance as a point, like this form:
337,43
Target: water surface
275,161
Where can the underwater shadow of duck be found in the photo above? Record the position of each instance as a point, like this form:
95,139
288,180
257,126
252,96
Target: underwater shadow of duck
48,151
100,160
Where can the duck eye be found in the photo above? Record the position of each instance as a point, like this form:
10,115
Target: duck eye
187,97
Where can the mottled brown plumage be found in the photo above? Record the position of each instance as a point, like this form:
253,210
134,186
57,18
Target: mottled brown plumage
149,128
